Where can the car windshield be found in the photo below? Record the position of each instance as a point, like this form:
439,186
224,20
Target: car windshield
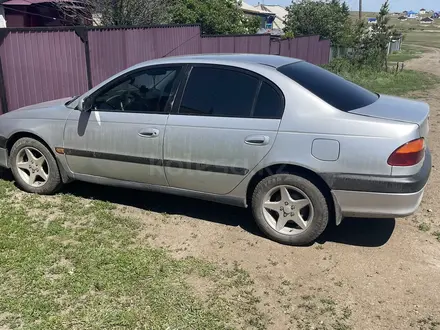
331,88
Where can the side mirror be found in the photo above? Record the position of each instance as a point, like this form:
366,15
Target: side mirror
85,104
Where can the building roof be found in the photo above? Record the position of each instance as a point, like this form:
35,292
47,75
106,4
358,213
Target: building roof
279,11
253,10
427,19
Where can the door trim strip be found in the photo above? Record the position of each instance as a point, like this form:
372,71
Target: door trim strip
115,157
158,162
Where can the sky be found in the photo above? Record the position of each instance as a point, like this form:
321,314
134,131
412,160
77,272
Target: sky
370,5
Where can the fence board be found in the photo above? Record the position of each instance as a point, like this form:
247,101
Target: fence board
45,64
274,47
42,66
293,48
303,48
285,47
113,50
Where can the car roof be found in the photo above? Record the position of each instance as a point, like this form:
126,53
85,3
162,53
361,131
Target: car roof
274,61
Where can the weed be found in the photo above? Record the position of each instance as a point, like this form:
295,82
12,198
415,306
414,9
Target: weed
424,226
437,235
346,313
308,306
428,323
338,325
286,282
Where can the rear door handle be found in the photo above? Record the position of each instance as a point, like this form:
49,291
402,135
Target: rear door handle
149,132
257,140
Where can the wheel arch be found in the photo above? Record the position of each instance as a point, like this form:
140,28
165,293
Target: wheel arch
316,179
23,134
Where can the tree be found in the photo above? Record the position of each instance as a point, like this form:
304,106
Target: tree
329,19
371,48
117,12
215,16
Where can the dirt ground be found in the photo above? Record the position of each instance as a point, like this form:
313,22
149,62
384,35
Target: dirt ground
364,274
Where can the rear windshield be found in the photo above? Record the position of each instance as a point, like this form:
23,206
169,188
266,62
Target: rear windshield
331,88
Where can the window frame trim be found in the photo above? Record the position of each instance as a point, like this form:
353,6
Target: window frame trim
121,78
184,83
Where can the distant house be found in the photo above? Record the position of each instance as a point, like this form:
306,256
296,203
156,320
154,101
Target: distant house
270,22
422,11
426,20
34,13
436,15
412,14
402,18
280,15
372,20
405,13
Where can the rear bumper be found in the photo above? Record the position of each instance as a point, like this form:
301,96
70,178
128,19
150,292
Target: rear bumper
377,205
379,196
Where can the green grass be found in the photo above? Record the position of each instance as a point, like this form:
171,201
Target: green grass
413,24
405,54
423,38
70,263
390,83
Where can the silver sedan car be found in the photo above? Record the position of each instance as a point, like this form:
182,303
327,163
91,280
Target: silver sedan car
295,143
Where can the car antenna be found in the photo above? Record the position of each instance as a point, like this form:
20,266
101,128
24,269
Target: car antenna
172,50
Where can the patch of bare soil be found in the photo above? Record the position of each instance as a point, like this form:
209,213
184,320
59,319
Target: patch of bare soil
364,274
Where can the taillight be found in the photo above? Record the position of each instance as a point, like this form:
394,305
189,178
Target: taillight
409,154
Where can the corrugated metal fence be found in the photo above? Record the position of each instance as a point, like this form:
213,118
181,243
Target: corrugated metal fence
38,65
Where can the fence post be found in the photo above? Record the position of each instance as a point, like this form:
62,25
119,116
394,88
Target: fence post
3,97
82,33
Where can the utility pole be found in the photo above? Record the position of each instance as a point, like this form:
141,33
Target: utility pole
360,9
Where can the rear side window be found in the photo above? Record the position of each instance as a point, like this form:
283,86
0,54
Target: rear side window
219,92
331,88
269,104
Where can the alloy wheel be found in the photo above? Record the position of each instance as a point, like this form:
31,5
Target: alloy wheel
32,167
288,210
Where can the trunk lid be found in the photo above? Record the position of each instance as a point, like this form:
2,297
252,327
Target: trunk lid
398,109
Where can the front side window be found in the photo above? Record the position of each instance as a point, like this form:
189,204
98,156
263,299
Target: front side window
146,91
221,92
331,88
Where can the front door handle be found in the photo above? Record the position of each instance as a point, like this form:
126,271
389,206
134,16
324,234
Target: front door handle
149,132
257,140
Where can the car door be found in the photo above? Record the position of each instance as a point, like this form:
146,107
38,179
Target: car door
226,121
122,137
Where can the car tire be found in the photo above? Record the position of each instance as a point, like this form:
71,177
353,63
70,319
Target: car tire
19,151
317,207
